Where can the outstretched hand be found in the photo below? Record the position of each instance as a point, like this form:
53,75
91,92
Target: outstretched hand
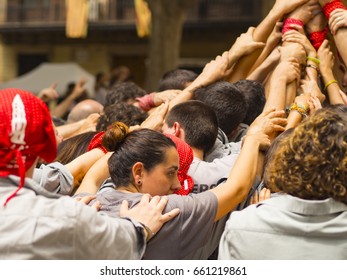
268,123
155,120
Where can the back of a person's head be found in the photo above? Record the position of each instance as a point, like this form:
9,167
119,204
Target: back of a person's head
227,101
142,145
198,121
311,162
27,133
121,112
176,79
83,109
73,147
125,92
254,94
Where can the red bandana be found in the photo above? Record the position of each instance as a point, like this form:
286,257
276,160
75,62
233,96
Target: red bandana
96,142
27,132
185,154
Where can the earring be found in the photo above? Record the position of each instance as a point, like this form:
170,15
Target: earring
139,182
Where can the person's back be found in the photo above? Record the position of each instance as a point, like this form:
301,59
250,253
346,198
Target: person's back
308,218
35,223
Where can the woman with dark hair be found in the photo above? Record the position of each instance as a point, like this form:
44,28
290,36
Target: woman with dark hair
146,161
309,219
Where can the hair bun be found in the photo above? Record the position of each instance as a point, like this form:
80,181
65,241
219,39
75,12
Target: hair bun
114,134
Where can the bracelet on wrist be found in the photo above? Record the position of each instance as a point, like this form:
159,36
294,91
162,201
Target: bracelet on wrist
313,66
149,232
301,109
329,83
313,59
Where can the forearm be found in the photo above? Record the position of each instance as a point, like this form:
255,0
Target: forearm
80,165
262,71
261,33
62,108
96,174
294,118
276,93
332,87
340,39
240,179
291,91
68,130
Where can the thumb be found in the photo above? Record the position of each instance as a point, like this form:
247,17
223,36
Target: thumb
53,85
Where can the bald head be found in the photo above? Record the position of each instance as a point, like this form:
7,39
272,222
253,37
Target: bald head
83,109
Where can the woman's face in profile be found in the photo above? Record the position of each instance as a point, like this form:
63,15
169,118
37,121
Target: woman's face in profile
162,179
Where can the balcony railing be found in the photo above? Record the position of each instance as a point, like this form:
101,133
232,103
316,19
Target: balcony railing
29,12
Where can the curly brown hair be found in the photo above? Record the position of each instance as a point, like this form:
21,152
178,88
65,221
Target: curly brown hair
311,163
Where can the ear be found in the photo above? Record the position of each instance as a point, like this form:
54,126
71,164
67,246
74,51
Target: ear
137,171
176,129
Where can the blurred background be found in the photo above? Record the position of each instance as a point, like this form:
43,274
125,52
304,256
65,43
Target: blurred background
185,34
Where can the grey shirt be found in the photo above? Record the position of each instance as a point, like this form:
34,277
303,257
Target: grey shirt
54,177
37,224
287,227
191,235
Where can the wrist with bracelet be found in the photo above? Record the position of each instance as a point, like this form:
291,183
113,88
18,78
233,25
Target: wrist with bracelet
330,83
148,231
301,109
313,67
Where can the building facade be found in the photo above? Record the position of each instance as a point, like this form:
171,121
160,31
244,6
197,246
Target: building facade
33,31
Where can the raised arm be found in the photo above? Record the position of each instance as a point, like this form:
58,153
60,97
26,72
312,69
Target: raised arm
242,175
261,34
286,72
326,69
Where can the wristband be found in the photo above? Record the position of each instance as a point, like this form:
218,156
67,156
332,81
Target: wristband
317,38
302,110
331,6
329,83
149,232
288,21
312,66
313,59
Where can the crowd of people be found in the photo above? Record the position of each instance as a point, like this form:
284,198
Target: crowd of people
245,160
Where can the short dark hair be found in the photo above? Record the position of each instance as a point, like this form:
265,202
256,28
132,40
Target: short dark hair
227,101
176,79
198,121
254,93
123,92
121,112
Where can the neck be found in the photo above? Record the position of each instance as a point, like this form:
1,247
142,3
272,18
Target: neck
129,189
198,153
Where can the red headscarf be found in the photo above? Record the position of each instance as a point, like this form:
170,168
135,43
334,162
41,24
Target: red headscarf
27,132
96,142
185,154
